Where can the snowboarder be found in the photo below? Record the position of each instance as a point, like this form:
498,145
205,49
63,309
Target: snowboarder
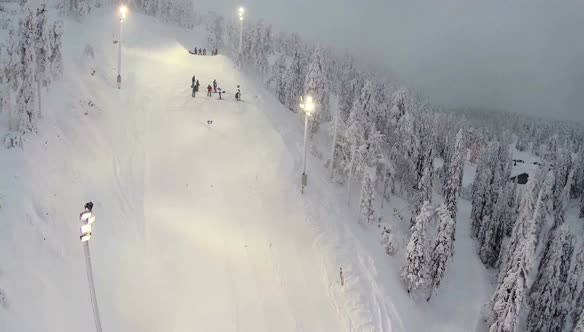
219,91
209,89
238,94
215,86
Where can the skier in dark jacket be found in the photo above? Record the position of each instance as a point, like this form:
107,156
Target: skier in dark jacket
219,92
238,94
215,86
204,51
209,89
200,51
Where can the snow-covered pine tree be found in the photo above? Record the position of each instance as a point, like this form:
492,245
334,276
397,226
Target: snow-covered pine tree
493,228
215,32
42,53
356,131
509,300
350,87
56,42
367,206
316,86
294,82
414,273
278,78
455,175
580,323
443,247
572,296
369,168
562,200
551,277
25,97
424,193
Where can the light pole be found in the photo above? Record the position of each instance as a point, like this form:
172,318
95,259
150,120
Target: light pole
87,219
123,14
241,16
307,105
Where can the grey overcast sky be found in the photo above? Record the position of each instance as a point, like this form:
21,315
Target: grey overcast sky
520,55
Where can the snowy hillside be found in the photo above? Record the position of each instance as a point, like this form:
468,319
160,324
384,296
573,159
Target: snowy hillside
199,227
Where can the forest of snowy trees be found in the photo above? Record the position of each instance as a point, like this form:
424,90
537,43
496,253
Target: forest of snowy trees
29,62
388,142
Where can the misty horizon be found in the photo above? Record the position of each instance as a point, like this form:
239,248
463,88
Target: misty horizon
521,57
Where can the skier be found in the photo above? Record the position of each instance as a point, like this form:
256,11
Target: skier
195,51
204,51
209,89
238,94
215,86
219,91
216,51
200,52
193,82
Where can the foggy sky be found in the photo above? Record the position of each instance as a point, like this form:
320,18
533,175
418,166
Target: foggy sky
518,55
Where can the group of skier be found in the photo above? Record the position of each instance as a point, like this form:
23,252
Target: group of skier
204,51
212,89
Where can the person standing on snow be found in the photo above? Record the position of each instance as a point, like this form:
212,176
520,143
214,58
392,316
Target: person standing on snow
219,91
209,89
193,81
215,86
195,50
200,52
238,94
204,51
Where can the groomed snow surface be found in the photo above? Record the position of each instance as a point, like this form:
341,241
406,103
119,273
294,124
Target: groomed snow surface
199,227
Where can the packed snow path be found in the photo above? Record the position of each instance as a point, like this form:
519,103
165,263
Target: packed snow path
214,236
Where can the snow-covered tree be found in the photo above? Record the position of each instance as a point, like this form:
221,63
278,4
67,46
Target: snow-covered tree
545,314
443,247
215,33
493,228
455,175
509,300
414,273
42,50
56,42
294,82
580,323
278,78
25,97
367,206
316,85
572,295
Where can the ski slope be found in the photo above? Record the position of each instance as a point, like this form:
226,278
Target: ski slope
199,227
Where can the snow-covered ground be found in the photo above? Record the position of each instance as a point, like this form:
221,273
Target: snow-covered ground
199,227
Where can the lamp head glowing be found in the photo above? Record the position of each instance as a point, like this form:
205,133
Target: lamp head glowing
307,105
123,12
241,11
